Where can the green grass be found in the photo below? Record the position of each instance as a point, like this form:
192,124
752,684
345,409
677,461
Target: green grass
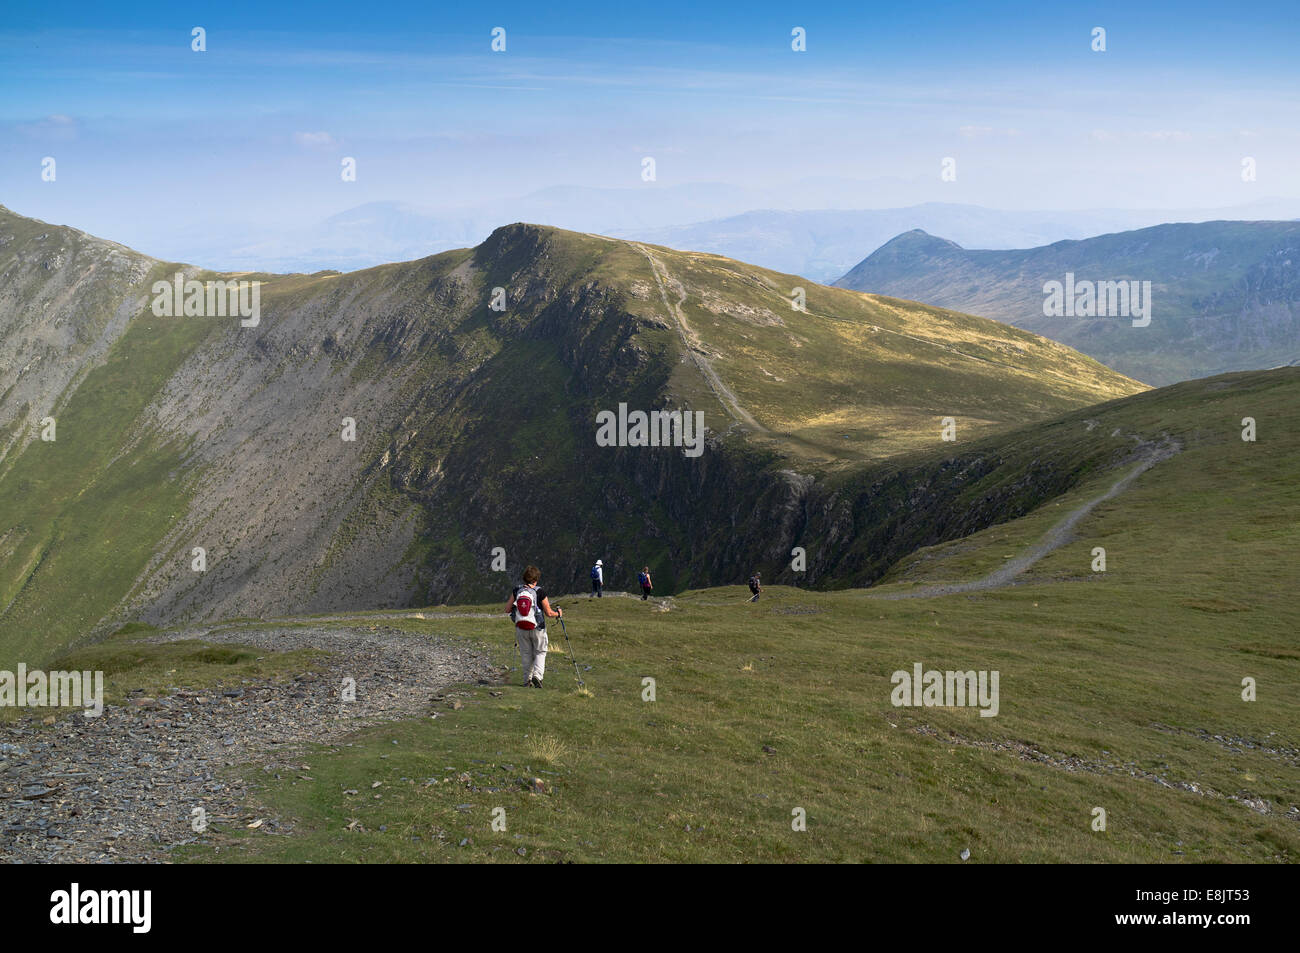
1107,679
82,515
860,378
631,776
1119,675
1113,678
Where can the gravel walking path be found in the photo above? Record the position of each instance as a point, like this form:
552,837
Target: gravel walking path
124,787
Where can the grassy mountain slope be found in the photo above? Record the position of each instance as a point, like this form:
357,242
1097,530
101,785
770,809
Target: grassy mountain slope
475,429
1226,294
1118,689
863,377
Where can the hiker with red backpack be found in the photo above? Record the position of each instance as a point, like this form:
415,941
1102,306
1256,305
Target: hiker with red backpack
529,609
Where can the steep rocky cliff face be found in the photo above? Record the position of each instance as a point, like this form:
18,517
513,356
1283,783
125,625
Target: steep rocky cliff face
377,438
65,298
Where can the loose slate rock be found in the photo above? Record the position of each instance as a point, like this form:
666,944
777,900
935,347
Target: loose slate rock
128,783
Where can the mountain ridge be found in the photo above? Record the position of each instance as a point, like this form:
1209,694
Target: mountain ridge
1226,294
474,430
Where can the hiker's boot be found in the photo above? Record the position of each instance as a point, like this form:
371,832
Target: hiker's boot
535,682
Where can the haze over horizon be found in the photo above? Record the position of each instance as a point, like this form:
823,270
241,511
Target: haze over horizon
242,143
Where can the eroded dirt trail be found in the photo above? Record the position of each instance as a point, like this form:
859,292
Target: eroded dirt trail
690,340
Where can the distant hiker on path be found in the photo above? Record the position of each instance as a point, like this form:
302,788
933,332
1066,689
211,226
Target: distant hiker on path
646,584
597,578
755,586
529,609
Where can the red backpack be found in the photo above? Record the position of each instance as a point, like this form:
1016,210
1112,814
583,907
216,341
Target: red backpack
525,606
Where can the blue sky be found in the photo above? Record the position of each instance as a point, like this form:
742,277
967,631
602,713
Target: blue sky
152,139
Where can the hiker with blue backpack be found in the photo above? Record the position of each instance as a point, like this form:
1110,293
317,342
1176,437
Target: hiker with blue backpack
597,578
529,609
646,585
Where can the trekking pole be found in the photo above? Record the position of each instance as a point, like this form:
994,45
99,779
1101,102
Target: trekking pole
568,647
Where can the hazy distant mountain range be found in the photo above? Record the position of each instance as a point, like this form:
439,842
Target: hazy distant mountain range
822,245
1225,296
836,229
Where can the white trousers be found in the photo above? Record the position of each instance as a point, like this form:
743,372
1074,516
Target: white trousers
532,652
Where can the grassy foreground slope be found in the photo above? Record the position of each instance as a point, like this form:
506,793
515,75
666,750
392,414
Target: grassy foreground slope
1119,690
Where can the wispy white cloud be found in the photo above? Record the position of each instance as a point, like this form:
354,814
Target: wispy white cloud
987,132
55,128
315,140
